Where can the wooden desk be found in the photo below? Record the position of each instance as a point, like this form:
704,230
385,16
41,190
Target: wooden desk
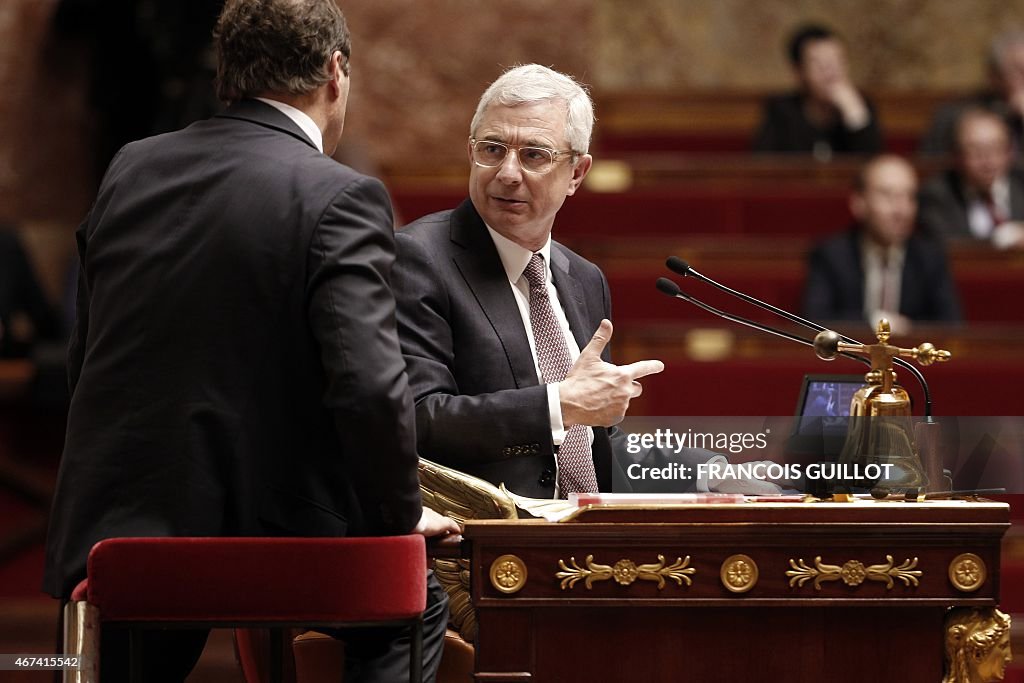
853,615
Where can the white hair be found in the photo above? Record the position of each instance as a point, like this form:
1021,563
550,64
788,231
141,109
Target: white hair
531,83
1002,44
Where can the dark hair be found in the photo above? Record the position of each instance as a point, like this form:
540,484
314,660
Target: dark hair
277,45
803,35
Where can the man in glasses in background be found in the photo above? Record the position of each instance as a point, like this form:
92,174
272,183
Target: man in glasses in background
505,331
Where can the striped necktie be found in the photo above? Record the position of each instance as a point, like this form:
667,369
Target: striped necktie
575,460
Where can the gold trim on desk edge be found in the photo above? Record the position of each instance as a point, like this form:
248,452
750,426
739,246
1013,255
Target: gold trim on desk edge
739,573
967,572
625,572
853,573
508,574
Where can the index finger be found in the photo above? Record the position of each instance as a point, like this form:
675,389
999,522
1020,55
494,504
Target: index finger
642,368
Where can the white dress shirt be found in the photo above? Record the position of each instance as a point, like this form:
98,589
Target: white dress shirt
979,214
301,120
883,279
514,259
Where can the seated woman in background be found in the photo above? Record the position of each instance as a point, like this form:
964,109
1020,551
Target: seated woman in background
827,114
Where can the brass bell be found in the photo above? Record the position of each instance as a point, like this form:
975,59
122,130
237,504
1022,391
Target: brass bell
880,452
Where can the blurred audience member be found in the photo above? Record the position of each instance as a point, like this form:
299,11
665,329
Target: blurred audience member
881,267
25,313
982,197
1004,96
827,114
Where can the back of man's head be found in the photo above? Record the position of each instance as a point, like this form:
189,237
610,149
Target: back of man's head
277,46
803,35
531,83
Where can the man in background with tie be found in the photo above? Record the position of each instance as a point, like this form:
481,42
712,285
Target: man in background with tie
881,267
504,330
982,197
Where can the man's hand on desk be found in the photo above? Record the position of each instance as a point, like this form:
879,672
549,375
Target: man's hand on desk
596,393
748,487
432,524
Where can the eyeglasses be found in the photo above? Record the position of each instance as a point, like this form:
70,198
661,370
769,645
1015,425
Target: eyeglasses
491,153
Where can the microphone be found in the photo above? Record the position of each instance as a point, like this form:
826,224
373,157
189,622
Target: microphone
666,286
678,265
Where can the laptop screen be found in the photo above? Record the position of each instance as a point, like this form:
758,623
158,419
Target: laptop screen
827,395
822,414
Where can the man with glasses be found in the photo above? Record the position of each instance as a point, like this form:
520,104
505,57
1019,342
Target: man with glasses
982,196
505,331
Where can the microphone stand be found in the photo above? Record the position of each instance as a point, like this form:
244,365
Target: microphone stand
678,265
927,432
666,286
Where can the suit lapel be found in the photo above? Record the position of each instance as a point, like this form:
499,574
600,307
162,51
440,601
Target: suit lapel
956,190
570,292
853,273
1016,195
477,260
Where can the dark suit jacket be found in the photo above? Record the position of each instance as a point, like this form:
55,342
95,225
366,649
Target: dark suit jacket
785,128
835,281
943,205
479,405
235,368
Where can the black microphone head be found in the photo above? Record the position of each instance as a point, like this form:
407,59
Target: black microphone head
826,345
678,265
666,286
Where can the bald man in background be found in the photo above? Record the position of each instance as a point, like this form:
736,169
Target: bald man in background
881,266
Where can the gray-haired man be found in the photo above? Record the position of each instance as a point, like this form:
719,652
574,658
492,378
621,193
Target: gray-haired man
504,330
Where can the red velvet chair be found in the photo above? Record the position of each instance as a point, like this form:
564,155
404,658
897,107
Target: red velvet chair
230,582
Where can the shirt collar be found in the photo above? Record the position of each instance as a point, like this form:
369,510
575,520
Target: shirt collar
999,192
301,120
514,258
893,254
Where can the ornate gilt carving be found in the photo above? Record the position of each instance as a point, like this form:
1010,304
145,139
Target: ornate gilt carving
625,572
461,497
853,572
977,645
739,573
508,574
967,572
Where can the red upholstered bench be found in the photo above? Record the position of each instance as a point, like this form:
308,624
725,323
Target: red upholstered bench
230,582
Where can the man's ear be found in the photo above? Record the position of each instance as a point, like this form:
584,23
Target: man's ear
579,172
336,70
